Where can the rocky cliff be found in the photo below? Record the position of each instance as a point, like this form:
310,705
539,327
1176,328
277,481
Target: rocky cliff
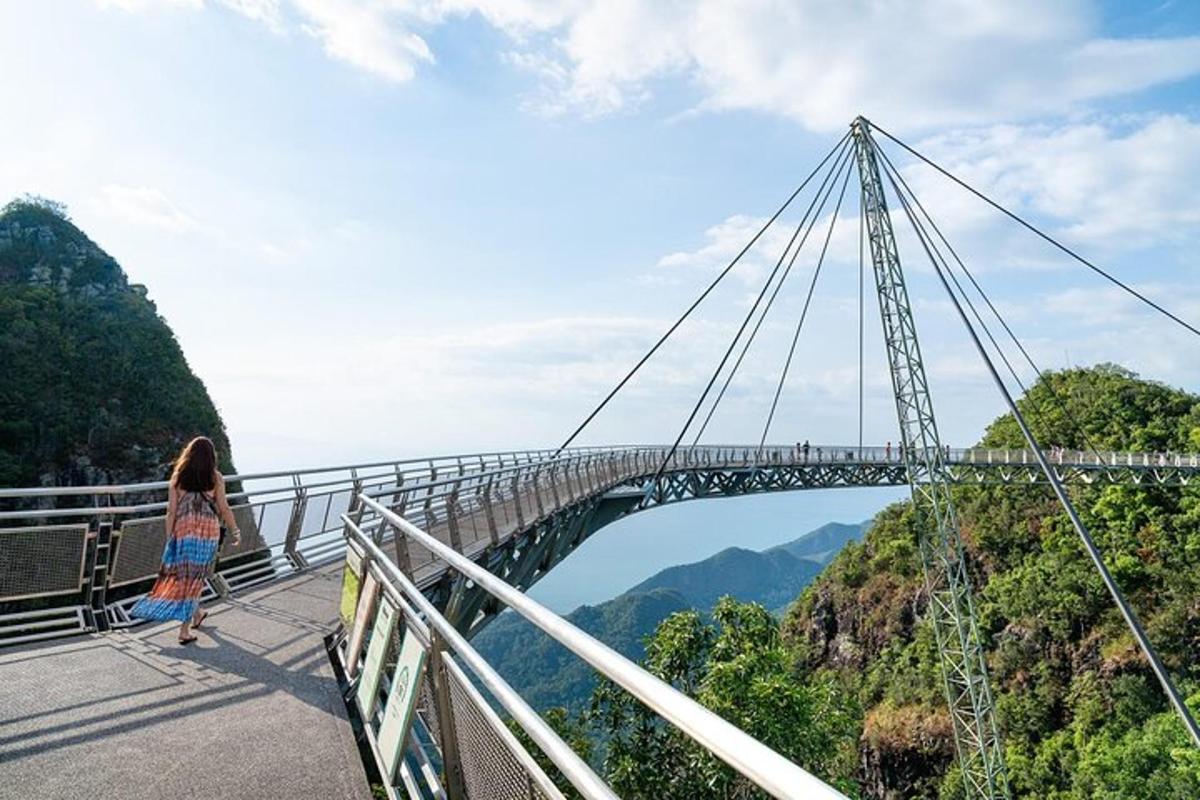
94,386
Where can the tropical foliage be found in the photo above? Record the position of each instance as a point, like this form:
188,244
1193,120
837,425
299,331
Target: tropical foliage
95,387
849,683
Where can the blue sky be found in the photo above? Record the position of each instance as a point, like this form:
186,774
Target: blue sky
396,227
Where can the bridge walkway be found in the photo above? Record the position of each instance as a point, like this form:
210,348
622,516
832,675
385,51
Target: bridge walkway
250,710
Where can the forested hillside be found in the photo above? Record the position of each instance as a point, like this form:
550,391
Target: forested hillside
95,387
849,684
547,675
1081,714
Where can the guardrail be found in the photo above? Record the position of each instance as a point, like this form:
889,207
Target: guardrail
760,765
76,558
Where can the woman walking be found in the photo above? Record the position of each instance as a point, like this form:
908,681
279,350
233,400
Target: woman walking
196,506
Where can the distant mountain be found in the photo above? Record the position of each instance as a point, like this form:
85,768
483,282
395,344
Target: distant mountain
825,542
772,578
547,675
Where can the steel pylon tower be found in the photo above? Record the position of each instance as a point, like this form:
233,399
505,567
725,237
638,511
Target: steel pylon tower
964,667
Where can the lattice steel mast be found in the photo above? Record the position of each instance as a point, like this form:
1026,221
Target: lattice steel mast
964,667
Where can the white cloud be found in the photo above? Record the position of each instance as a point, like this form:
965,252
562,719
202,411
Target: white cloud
146,5
143,205
942,62
268,12
1108,184
374,36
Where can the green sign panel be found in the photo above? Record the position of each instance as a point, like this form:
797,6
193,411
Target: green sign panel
381,636
351,583
402,699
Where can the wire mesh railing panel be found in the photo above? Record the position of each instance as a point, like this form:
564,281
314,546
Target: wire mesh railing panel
139,550
490,769
427,707
41,561
251,539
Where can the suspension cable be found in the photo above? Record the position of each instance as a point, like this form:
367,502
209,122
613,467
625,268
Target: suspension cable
1093,551
1070,419
701,298
804,312
886,167
733,344
770,302
1029,226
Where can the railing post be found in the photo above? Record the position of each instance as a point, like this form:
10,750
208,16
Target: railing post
427,510
554,488
537,493
295,524
400,544
516,493
451,757
96,584
356,488
490,513
452,518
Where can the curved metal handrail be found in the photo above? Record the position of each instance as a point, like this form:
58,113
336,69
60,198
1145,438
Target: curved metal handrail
573,768
760,764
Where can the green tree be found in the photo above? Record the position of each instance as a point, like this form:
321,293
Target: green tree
738,666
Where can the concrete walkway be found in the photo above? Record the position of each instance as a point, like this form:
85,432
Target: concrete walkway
251,710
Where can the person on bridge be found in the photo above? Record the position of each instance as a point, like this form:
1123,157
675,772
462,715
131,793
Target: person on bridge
196,506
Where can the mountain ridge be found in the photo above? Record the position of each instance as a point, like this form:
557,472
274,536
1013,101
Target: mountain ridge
548,675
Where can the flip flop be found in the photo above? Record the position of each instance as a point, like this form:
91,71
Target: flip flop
203,616
188,640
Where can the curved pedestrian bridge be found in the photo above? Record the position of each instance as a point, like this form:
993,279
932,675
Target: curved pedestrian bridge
258,702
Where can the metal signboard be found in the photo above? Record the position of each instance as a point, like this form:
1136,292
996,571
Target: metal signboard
351,583
366,607
377,650
402,699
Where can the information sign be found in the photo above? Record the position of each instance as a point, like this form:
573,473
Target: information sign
366,607
377,650
402,699
351,583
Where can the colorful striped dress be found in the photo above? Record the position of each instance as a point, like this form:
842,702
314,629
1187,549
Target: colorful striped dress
186,560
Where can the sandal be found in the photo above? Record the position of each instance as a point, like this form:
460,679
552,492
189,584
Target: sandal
203,616
188,640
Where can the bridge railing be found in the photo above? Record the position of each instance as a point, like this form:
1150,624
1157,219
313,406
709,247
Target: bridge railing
77,558
757,763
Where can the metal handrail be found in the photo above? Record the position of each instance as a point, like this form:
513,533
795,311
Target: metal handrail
573,768
149,486
286,489
707,455
760,764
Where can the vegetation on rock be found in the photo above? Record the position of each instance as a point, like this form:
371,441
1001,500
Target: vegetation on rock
95,387
849,684
549,676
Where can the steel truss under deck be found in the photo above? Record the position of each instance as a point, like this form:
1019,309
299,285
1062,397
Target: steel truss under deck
947,585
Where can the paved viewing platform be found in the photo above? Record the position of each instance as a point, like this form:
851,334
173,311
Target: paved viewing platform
250,710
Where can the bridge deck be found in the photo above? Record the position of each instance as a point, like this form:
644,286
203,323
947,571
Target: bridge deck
251,710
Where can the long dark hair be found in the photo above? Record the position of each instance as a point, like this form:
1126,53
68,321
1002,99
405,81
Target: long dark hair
196,467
